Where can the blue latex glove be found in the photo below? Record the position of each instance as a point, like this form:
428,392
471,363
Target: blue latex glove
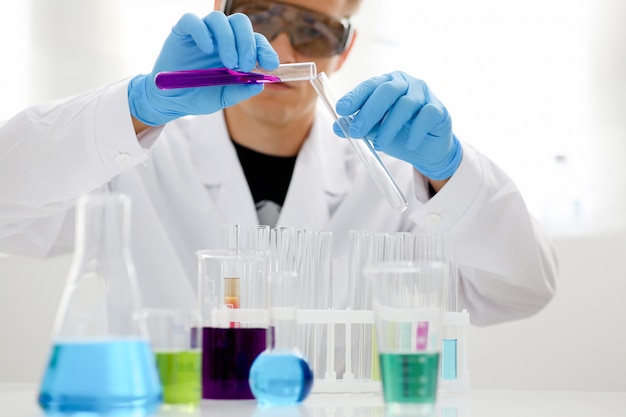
403,118
215,41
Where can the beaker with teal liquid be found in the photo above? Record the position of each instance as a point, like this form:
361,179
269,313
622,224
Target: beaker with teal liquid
407,297
101,361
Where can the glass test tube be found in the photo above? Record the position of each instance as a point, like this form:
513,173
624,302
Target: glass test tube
363,147
258,237
376,254
359,355
212,77
231,284
441,247
309,253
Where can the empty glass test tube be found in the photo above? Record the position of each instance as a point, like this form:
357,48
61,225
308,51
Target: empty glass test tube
211,77
363,146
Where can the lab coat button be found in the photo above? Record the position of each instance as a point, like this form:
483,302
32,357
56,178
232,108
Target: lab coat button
122,158
433,219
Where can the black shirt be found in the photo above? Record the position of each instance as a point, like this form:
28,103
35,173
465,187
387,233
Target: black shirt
268,176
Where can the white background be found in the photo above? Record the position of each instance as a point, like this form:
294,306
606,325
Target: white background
524,81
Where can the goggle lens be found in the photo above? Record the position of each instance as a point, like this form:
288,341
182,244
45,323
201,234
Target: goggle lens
311,33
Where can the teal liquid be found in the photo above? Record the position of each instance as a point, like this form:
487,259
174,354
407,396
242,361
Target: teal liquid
449,359
103,377
280,378
410,377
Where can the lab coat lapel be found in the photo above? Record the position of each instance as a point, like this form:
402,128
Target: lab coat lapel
319,178
305,205
217,163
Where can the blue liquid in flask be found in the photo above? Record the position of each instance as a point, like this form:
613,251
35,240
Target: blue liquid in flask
280,378
116,377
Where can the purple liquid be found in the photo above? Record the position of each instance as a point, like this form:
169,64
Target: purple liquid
227,355
209,78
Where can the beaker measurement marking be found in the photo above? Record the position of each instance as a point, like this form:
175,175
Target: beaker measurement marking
409,377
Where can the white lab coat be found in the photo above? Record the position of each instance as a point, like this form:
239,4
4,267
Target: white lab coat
185,182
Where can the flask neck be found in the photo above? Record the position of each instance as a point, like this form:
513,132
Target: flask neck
102,231
101,297
282,332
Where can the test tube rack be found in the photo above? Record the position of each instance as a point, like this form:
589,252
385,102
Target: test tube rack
338,324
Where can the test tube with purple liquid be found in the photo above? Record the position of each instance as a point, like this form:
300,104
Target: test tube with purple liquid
212,77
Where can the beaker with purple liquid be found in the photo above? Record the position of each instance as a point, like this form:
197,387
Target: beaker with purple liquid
227,355
232,296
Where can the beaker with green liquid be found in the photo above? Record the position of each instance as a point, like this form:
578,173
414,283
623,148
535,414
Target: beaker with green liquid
175,337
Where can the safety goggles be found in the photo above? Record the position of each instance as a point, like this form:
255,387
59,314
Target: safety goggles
311,33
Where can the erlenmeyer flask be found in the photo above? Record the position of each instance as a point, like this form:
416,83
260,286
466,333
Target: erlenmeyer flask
101,360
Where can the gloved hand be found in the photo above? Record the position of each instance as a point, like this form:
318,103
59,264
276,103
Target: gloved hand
403,118
215,41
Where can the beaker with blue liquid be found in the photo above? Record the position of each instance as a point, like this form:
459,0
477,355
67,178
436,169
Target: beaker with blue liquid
281,375
101,361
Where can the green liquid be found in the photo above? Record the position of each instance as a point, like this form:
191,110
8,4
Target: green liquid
180,376
375,363
410,377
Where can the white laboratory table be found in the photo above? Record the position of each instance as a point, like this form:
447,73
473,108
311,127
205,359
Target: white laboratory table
19,400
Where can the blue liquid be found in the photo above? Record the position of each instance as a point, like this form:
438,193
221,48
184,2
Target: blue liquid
448,359
280,378
103,377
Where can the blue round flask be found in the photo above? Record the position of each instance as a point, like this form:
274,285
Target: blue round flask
281,375
280,378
